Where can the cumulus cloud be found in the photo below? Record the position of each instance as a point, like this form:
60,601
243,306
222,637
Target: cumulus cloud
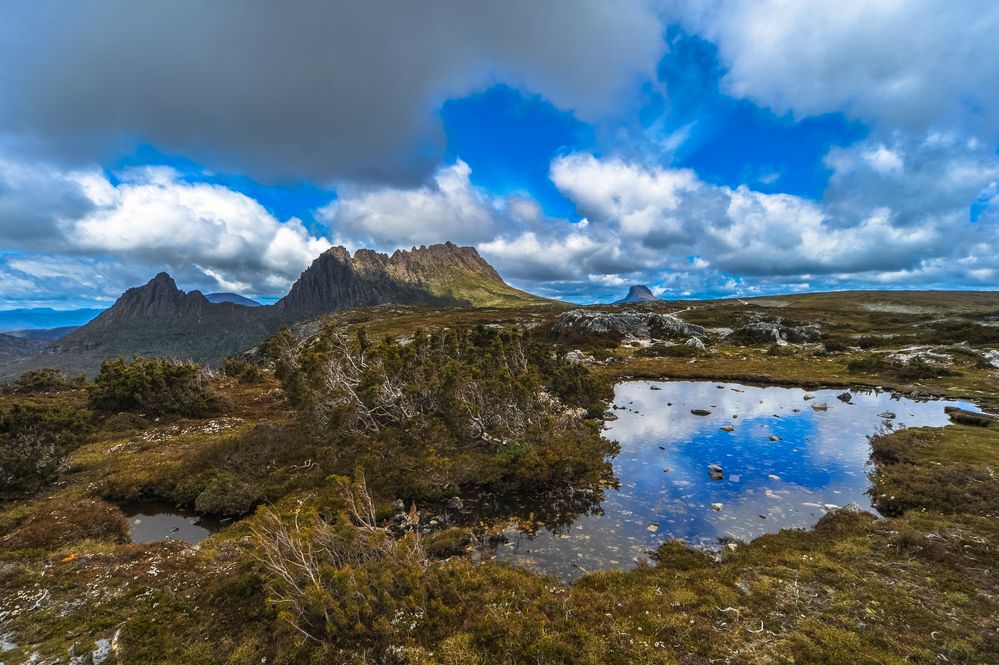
913,65
318,90
100,237
450,208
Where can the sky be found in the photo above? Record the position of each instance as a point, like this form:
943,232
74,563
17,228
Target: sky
705,148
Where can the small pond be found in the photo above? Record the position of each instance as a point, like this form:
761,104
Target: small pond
783,465
151,521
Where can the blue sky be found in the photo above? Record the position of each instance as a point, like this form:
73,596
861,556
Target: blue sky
737,148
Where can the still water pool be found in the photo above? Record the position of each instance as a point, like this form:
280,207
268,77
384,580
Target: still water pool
790,456
151,521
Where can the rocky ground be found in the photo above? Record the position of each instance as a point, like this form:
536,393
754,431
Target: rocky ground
917,584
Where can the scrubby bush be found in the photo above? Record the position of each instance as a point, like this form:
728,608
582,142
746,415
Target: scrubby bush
47,380
835,345
669,351
227,494
469,407
34,441
242,370
155,386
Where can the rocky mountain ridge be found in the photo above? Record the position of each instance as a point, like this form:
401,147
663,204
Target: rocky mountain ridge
159,319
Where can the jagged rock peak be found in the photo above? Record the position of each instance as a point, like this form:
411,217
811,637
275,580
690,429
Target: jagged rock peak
637,293
157,298
408,263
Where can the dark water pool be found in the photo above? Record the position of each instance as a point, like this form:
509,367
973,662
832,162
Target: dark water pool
151,521
783,464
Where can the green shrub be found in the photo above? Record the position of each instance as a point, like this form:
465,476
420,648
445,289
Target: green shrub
47,380
468,407
242,370
154,386
34,441
227,494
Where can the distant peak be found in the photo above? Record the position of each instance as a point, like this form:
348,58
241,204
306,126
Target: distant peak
638,293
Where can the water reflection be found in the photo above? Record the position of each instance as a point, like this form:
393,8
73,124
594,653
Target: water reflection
151,521
784,459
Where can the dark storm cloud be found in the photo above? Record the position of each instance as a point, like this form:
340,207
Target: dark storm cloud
315,90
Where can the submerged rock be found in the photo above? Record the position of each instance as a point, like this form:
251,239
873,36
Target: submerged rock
700,412
887,415
820,406
715,472
727,428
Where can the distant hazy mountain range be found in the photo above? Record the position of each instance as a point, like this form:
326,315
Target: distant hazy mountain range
158,319
44,317
234,298
637,293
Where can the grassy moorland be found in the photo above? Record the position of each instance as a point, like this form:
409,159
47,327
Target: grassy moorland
309,442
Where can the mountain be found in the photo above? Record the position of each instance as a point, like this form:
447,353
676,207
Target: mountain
234,298
44,317
637,293
439,275
158,319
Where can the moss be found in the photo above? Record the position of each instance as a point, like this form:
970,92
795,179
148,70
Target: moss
941,469
57,522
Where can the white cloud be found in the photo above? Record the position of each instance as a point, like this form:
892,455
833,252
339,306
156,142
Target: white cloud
64,226
912,65
884,160
450,208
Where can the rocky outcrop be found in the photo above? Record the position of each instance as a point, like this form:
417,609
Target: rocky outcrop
637,293
618,326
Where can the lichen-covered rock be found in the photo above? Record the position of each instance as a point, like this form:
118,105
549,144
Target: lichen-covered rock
618,326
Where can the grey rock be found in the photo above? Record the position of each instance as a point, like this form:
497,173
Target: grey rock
621,325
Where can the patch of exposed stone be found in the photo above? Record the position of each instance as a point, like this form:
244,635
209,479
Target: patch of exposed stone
625,325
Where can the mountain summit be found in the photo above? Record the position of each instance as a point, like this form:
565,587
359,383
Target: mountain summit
438,275
637,293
